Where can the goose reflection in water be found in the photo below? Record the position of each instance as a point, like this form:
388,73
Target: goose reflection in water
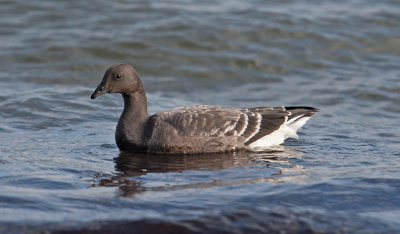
148,172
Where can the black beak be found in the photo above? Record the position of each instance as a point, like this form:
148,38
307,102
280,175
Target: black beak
100,90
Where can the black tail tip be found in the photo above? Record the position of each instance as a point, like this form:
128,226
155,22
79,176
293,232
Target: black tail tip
312,109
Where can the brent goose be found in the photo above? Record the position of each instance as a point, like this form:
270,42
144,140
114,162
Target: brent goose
195,129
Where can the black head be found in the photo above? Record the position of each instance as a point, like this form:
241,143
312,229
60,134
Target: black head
120,78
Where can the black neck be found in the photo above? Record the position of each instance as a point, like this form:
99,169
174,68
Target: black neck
135,106
131,125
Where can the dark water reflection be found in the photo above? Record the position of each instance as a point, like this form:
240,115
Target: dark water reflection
275,166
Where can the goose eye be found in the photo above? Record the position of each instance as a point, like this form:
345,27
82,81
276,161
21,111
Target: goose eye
118,76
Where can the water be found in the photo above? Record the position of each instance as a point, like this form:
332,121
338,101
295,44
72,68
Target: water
60,169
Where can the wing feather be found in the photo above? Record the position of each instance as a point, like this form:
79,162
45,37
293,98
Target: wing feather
207,121
248,124
271,118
